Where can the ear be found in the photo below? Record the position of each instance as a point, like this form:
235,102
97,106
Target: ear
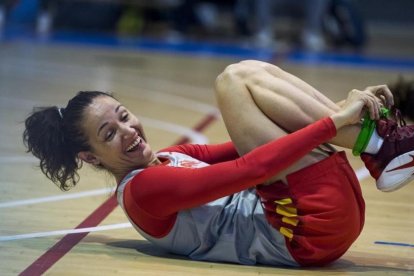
88,157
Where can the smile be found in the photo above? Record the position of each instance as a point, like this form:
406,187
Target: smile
134,145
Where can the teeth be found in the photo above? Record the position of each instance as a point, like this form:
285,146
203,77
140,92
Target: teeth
134,144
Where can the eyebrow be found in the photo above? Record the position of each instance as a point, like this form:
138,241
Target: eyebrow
106,123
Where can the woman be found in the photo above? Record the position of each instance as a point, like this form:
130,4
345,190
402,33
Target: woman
266,197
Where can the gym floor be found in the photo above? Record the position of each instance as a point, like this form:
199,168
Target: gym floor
171,90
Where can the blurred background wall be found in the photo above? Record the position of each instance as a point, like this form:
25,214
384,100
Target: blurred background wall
315,25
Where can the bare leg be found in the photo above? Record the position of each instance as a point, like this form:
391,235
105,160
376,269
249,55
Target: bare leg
260,102
300,84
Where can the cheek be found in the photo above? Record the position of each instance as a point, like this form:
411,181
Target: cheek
141,130
136,123
115,145
107,149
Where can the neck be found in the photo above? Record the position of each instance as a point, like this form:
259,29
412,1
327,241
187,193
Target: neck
154,162
120,175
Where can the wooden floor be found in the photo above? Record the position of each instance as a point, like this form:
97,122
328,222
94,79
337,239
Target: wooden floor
172,94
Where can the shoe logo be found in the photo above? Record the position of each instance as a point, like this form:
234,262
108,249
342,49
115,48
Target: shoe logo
405,166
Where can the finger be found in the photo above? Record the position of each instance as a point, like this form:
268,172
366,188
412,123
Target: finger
369,91
386,92
369,105
383,100
380,102
374,109
376,100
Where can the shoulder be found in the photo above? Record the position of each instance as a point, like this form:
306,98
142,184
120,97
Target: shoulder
177,148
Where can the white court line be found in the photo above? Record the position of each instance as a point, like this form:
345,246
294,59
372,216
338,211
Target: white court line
195,136
156,96
18,159
56,198
361,174
66,231
48,69
179,102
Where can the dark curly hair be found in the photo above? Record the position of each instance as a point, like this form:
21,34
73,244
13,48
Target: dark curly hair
403,91
55,136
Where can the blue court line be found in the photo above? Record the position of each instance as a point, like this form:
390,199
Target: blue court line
198,48
159,45
213,49
351,59
394,243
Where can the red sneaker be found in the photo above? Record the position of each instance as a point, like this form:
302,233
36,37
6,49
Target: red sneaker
393,165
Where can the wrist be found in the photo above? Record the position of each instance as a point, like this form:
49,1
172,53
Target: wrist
338,120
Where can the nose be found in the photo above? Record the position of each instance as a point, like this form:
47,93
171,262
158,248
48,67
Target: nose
127,131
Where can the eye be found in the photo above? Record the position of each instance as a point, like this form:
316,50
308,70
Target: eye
109,135
125,117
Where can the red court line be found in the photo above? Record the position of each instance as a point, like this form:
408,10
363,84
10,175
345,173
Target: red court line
199,127
56,252
62,247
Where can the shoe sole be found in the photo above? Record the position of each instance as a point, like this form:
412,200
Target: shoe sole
398,177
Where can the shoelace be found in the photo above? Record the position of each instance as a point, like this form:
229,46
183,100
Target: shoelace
398,115
397,129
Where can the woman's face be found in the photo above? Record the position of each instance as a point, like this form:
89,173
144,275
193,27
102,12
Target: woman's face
116,137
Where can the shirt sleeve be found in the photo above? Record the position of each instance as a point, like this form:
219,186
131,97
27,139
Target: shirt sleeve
162,191
209,154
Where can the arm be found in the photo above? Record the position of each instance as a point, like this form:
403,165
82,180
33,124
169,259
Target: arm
340,103
162,191
210,154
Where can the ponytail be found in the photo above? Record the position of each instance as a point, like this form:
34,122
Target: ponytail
403,91
55,136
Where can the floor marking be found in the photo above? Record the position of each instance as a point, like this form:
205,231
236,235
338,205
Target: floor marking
153,95
395,243
218,50
193,136
16,203
62,247
18,159
210,118
179,102
56,252
362,173
65,232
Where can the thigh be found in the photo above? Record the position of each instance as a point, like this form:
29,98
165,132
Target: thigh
250,127
258,107
260,102
295,81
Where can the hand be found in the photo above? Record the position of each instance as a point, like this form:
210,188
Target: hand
383,93
371,99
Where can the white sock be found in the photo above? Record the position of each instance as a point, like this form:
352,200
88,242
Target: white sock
375,143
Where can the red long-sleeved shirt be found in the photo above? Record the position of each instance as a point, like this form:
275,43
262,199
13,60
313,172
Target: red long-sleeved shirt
155,195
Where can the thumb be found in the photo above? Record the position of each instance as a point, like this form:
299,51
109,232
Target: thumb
354,112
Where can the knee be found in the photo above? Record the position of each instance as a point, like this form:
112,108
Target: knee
274,70
246,72
232,75
240,71
235,70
